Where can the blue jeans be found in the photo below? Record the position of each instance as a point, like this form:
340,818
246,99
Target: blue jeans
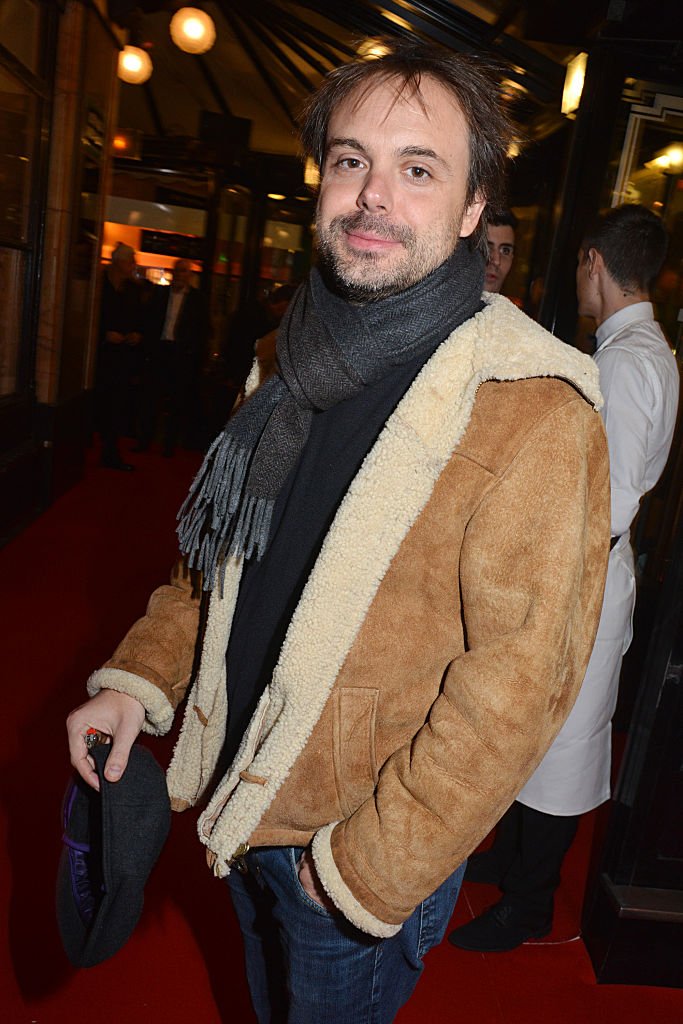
306,965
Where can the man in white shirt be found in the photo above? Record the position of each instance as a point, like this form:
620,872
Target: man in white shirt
639,379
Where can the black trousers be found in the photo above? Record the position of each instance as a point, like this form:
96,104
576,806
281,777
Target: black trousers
112,393
169,388
527,855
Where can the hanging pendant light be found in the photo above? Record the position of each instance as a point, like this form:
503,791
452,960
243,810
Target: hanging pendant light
192,30
135,65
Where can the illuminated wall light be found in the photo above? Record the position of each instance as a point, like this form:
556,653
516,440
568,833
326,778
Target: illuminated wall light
573,84
192,30
135,65
275,195
514,149
668,160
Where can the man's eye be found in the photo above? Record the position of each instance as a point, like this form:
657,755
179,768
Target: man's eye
419,173
506,250
351,162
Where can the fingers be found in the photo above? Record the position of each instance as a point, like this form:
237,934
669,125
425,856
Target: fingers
116,715
123,740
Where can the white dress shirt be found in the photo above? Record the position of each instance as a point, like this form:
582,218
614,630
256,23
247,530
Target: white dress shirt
640,383
175,302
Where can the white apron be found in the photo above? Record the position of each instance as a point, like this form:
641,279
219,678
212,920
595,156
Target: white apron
640,384
574,776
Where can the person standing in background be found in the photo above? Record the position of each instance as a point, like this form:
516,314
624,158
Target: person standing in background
619,259
500,234
178,332
121,331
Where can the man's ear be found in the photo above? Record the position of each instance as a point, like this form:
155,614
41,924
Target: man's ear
470,217
596,264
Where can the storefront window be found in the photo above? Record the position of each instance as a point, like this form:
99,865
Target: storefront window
20,31
17,135
12,265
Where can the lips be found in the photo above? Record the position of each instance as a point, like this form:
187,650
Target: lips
368,241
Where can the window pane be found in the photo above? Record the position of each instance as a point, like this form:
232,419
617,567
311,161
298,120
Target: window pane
11,304
20,31
17,135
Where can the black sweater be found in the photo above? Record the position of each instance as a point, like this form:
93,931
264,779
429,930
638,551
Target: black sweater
270,589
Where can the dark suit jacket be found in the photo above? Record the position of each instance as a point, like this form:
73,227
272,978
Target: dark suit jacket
191,329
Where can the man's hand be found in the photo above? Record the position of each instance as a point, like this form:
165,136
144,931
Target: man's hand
310,882
114,337
119,717
134,338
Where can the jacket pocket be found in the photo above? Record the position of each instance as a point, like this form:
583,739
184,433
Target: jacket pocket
354,745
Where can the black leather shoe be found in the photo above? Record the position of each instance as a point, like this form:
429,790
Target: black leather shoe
125,467
498,930
481,867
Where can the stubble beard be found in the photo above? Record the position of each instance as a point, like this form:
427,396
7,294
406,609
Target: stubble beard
362,276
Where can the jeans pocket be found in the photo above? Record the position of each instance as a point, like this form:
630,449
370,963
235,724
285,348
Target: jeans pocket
436,912
294,853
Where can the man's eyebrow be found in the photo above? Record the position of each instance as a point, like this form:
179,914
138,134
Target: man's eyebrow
423,151
344,142
350,143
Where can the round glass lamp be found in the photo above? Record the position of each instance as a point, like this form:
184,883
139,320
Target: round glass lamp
192,30
135,65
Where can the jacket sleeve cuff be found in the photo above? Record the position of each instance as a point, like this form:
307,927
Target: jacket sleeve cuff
338,891
158,709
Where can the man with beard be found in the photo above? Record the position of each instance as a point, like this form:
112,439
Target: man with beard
402,538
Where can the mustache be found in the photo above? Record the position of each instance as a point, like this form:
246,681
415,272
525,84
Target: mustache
378,226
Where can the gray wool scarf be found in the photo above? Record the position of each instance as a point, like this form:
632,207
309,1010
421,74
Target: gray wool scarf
328,349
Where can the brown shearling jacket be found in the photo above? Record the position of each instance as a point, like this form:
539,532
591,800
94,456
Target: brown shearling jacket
438,646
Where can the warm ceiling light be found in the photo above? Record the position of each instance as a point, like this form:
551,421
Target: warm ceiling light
192,30
135,65
573,84
275,195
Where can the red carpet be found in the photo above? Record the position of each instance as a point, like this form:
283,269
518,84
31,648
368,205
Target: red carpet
71,584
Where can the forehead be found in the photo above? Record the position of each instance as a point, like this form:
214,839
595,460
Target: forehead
500,234
428,114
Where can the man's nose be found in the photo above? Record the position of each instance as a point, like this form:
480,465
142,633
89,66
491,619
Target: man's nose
375,196
494,257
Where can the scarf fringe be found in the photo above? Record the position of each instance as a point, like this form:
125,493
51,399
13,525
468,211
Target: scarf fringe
217,518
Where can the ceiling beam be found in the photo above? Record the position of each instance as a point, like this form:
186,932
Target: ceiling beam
263,32
246,44
301,51
313,37
154,110
213,85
